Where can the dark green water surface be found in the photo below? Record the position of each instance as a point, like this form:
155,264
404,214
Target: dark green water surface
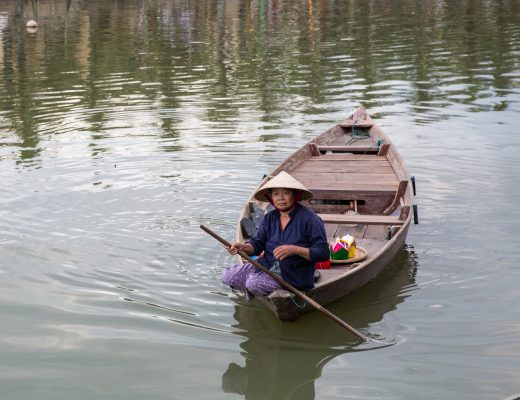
124,125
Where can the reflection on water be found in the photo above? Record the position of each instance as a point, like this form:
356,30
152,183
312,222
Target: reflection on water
275,365
126,125
282,360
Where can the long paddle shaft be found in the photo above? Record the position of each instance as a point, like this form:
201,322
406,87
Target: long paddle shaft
288,286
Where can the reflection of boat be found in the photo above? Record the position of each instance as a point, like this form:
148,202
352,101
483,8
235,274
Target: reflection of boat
282,361
361,186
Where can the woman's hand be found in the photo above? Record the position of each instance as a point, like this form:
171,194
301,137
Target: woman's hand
287,250
245,247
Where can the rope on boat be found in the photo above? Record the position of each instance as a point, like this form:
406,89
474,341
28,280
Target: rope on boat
361,134
357,134
293,298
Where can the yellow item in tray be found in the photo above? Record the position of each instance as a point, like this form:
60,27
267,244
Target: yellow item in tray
351,245
344,248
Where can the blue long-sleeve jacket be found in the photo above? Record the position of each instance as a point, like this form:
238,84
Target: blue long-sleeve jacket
304,229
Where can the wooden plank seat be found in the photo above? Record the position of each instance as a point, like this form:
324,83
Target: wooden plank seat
336,183
348,123
348,149
356,192
380,150
331,158
361,219
348,176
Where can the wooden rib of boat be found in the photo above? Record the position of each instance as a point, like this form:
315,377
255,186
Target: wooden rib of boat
362,187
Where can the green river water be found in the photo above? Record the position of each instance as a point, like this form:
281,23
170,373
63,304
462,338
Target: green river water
124,125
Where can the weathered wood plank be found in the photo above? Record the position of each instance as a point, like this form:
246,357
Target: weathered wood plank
344,167
360,219
348,123
313,148
352,191
378,162
348,149
348,156
383,150
398,197
334,177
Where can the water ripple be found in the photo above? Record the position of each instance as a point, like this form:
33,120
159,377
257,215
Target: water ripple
123,128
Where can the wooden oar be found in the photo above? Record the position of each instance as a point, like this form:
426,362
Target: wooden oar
288,286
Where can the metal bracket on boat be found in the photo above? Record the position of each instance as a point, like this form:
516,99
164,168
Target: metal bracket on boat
391,231
414,206
412,178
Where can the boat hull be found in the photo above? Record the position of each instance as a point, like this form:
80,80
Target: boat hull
362,187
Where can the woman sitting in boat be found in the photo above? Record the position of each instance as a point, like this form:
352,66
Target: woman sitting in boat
291,237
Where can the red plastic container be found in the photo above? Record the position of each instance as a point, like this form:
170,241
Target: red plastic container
323,265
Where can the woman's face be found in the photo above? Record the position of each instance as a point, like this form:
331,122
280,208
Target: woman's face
283,199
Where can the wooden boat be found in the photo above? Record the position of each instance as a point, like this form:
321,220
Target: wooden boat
362,187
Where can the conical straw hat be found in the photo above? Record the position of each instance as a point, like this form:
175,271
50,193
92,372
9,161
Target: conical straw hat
282,180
